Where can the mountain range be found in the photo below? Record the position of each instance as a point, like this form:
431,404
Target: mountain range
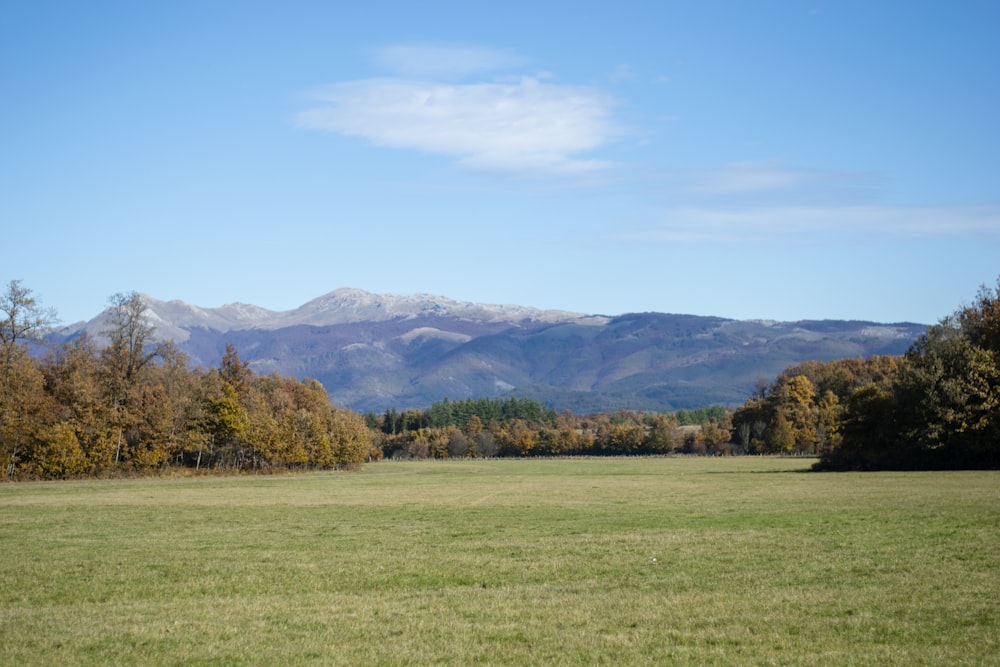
377,351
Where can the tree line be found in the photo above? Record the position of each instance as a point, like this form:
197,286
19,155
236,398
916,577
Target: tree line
935,407
135,406
129,404
941,409
506,427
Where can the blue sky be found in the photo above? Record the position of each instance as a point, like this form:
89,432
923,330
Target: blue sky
779,160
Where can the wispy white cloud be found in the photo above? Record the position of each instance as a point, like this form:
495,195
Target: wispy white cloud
765,201
748,177
762,223
429,61
527,124
777,182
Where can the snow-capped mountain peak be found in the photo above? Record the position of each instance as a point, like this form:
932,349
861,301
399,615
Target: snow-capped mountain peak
174,319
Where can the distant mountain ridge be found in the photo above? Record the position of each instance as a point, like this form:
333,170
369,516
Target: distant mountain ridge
342,306
376,351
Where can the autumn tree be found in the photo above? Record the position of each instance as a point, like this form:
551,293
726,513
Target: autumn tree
664,435
56,453
715,436
73,379
130,335
828,421
802,410
179,383
627,438
981,320
86,410
22,319
798,394
129,351
941,409
24,410
459,445
868,432
750,424
949,397
227,425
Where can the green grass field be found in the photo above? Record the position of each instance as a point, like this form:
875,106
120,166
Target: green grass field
589,561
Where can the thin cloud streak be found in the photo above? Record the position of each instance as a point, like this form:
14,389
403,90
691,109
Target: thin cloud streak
702,225
524,125
775,180
748,177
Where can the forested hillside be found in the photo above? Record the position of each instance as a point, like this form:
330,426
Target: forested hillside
373,352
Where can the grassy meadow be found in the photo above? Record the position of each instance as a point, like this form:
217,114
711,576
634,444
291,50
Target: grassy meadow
659,561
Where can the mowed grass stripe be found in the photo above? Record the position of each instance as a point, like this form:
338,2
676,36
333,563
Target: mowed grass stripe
577,561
